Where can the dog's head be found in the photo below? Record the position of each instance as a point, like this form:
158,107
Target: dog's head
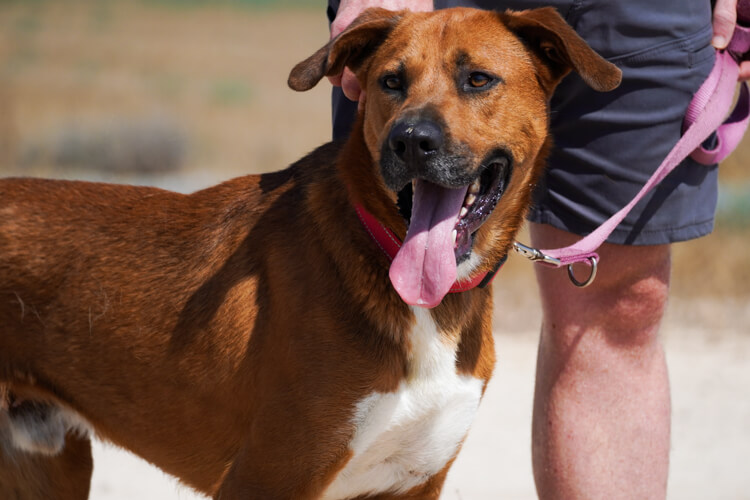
456,125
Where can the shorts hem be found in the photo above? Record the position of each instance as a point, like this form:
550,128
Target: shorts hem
624,235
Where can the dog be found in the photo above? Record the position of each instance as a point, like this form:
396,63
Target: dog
254,339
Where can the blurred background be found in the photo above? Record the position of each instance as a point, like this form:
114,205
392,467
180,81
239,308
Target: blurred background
182,94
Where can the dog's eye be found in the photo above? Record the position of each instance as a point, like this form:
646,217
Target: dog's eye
392,82
478,80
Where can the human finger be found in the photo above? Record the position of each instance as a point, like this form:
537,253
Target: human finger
350,85
724,21
744,71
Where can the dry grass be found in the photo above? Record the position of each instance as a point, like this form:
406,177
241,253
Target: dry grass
214,78
219,73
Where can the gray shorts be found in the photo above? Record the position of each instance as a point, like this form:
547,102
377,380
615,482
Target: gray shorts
608,144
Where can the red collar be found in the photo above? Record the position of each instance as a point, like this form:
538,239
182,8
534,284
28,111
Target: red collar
390,244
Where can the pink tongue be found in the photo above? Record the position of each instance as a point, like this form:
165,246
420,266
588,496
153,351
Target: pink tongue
424,269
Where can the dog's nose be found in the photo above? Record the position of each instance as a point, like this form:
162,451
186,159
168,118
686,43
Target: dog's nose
415,141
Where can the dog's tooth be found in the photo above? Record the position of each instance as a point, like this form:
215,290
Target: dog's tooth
470,200
455,235
464,211
474,188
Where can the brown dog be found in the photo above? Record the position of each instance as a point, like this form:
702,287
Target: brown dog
248,338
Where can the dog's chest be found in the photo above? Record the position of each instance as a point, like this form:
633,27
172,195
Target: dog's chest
402,438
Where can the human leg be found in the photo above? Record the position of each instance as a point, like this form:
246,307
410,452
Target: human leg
601,408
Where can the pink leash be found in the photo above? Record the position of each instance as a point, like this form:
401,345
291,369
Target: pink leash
704,116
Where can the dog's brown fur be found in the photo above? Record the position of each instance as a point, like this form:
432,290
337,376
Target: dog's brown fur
225,336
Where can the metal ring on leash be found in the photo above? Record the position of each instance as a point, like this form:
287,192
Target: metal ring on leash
583,284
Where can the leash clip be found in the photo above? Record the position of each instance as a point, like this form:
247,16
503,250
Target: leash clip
536,255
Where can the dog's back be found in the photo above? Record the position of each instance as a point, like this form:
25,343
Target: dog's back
164,288
138,275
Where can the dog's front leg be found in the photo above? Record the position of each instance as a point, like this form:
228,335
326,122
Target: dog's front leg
291,470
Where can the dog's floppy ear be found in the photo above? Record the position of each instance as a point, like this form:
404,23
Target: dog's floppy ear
561,49
351,48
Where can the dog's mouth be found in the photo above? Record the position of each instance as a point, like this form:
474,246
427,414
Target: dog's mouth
481,199
482,196
442,226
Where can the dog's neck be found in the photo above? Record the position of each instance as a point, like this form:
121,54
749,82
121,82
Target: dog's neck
390,244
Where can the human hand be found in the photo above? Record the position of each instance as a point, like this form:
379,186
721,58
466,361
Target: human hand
348,12
724,22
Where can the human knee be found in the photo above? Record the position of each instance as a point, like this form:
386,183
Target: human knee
636,312
632,295
625,302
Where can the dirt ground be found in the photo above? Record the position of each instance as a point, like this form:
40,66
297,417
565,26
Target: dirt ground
209,82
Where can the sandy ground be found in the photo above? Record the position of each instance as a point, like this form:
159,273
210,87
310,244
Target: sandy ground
710,378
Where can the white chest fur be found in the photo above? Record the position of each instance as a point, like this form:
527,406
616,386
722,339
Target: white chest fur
404,437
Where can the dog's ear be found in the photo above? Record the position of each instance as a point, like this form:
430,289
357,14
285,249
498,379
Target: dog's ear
561,49
351,48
